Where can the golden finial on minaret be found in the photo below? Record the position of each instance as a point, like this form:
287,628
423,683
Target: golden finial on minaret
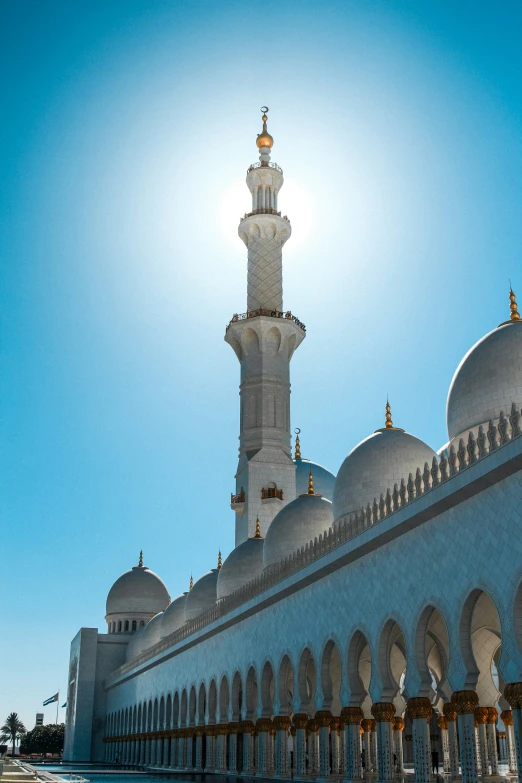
258,529
140,561
389,422
219,560
264,139
191,583
297,454
311,484
515,315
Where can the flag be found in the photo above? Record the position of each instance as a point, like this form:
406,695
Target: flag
50,701
64,705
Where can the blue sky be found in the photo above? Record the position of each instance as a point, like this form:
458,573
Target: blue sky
126,133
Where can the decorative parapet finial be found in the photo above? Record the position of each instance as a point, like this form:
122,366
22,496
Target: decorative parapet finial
191,583
220,562
389,422
140,561
258,529
297,454
311,484
515,315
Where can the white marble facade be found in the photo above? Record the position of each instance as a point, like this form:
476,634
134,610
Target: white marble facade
360,623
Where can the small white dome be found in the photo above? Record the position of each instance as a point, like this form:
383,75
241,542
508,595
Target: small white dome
324,481
487,381
243,564
375,465
136,645
174,615
137,590
202,596
298,523
153,631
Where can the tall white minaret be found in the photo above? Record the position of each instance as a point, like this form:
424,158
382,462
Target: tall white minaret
264,339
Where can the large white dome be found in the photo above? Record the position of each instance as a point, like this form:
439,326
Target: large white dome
137,590
202,596
324,481
174,615
243,564
487,381
298,523
375,465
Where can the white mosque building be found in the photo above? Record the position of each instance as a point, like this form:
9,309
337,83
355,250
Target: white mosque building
364,621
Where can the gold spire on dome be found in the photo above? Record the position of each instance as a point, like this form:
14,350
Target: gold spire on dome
220,563
515,315
297,454
140,561
311,484
264,139
389,422
191,583
258,529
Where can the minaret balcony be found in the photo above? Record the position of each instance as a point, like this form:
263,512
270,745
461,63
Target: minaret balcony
264,164
237,501
271,493
270,313
264,211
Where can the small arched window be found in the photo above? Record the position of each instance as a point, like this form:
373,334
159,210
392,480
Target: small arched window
142,623
134,625
119,626
126,625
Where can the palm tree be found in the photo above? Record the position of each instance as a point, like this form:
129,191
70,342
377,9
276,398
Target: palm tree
12,728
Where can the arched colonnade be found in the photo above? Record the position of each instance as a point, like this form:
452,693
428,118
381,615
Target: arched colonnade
312,714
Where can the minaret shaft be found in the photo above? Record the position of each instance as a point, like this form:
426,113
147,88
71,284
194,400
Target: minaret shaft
264,340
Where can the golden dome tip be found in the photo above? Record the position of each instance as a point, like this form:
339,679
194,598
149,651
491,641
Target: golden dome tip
264,139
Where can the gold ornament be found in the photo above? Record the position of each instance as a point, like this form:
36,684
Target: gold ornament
419,707
300,720
465,702
513,694
264,139
352,716
281,722
220,563
140,561
383,711
442,723
323,718
366,724
481,715
492,716
506,716
297,454
398,724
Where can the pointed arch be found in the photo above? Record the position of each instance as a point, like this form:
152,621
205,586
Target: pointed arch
212,702
251,694
224,700
306,681
267,690
183,708
480,640
237,697
202,704
391,661
285,686
331,677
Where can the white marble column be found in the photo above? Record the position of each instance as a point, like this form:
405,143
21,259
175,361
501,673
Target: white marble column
264,727
465,703
443,726
450,714
281,724
398,728
323,718
300,721
373,747
481,718
210,760
513,694
491,734
366,725
335,744
383,713
352,717
419,710
342,748
181,749
232,747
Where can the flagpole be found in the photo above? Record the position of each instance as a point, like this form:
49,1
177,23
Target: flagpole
57,705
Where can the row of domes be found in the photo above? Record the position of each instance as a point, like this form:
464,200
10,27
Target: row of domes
488,381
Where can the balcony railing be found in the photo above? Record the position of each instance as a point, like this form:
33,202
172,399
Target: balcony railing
239,498
265,165
270,313
271,492
264,211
